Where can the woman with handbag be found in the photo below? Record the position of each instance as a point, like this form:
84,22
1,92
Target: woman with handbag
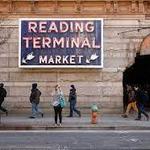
57,96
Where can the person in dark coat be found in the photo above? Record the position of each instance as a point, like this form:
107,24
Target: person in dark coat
3,94
73,101
35,100
140,103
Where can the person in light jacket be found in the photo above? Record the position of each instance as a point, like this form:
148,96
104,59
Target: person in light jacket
56,105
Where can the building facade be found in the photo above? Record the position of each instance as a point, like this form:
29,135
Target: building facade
126,24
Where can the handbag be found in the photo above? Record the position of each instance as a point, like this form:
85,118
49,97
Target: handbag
62,102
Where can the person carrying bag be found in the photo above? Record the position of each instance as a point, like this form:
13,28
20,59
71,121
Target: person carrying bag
58,104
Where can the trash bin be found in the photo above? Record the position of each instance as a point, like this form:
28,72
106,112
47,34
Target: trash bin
94,115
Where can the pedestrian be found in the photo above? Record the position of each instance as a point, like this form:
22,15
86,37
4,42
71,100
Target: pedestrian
57,95
3,94
73,100
131,101
35,100
140,103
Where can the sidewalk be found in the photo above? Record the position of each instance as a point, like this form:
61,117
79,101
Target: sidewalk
105,122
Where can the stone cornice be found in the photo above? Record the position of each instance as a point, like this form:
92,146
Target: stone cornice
74,1
83,7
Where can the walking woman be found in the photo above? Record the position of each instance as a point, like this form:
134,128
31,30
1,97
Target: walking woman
73,101
131,101
57,95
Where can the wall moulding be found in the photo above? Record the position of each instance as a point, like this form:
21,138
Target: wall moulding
100,7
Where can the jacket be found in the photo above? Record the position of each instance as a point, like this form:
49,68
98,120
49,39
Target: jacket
35,96
72,95
3,93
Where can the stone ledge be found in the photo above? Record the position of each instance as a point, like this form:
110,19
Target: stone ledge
79,7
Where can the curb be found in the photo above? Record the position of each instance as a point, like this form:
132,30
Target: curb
21,127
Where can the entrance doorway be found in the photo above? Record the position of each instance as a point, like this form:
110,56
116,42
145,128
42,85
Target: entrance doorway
137,74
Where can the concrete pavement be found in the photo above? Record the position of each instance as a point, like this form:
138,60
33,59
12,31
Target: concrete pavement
105,121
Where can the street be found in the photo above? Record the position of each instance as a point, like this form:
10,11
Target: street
75,140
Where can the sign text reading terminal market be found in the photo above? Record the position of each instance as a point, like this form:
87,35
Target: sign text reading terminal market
61,43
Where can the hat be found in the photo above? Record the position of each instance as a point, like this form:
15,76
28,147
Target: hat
73,86
34,85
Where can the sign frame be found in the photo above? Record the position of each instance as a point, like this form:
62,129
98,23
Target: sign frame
60,66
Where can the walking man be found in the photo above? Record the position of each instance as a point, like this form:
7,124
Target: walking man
140,103
73,101
3,94
35,100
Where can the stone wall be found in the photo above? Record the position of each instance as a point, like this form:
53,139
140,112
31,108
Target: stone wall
101,86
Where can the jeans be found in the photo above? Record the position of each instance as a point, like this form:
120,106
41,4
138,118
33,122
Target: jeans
141,110
58,111
73,108
130,106
35,110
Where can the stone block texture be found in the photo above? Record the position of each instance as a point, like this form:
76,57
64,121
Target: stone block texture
100,86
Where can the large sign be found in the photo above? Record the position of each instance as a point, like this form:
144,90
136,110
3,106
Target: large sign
57,42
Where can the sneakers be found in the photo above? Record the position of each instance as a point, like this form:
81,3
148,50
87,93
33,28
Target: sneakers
60,125
55,125
138,119
124,116
79,114
6,113
147,118
32,117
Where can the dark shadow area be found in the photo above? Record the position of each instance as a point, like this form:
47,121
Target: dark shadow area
138,74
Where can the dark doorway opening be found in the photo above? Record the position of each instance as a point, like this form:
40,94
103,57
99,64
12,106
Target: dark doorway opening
137,74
